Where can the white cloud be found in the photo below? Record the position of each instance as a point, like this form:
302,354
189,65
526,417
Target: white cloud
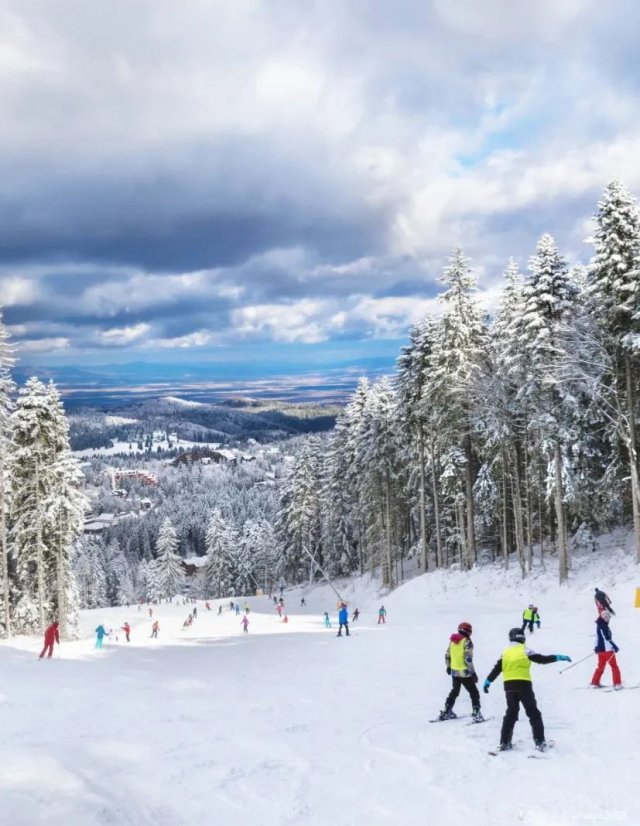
44,345
120,336
16,290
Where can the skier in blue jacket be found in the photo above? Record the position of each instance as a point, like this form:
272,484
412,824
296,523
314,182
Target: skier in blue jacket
343,619
100,634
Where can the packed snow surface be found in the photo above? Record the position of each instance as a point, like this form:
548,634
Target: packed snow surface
289,725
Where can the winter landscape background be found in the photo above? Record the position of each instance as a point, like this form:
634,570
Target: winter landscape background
327,303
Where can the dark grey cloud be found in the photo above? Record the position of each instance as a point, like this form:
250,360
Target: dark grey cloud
294,171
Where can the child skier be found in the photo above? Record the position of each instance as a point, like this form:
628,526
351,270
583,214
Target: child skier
343,619
237,609
603,603
459,661
529,617
515,665
606,649
327,621
127,630
154,629
245,624
51,635
382,613
100,635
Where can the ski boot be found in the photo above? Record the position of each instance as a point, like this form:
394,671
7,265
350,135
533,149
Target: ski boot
541,745
617,687
476,716
447,714
505,747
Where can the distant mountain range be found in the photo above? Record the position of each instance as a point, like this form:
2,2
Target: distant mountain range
114,385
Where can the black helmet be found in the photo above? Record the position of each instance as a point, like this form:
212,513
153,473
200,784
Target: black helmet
516,635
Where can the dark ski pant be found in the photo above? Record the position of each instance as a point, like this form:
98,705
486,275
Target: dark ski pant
469,684
47,647
529,623
521,692
346,628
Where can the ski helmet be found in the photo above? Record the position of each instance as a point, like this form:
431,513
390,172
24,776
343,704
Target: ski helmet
516,635
465,628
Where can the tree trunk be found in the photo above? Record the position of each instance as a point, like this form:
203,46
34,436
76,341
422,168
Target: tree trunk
62,591
517,518
39,554
423,516
5,556
436,507
468,481
633,457
540,507
527,493
561,534
388,521
505,511
461,533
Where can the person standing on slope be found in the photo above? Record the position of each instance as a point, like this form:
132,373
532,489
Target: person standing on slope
529,616
327,621
459,661
606,649
154,630
51,636
603,603
245,624
382,613
355,615
515,665
127,630
219,609
100,635
343,619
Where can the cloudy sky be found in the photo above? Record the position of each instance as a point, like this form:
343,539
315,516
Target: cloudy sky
284,179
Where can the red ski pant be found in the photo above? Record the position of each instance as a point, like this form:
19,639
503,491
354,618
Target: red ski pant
606,658
47,645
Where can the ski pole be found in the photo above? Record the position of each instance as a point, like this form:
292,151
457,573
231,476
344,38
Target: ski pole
577,662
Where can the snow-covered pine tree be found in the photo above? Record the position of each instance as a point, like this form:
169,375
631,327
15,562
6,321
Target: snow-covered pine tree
614,282
167,569
6,391
221,542
457,364
550,307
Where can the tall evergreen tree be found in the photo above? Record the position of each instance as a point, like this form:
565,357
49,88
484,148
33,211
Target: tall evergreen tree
167,570
6,391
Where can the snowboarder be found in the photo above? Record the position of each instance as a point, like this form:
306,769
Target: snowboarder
127,630
303,602
355,615
343,619
327,621
515,665
154,629
219,610
51,635
606,649
603,603
459,662
382,613
245,624
100,635
529,617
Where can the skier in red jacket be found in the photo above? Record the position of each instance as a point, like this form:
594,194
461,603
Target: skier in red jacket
51,635
127,630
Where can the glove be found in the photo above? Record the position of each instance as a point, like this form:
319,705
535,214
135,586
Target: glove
615,648
562,658
449,671
474,677
486,685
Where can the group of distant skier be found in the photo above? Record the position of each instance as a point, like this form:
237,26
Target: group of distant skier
515,666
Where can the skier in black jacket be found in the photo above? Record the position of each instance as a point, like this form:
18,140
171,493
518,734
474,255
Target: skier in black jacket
515,665
603,602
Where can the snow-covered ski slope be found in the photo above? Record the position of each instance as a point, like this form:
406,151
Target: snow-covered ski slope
289,725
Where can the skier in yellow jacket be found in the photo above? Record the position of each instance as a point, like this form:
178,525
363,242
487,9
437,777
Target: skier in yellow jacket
515,666
459,661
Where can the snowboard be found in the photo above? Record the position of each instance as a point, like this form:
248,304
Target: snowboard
450,719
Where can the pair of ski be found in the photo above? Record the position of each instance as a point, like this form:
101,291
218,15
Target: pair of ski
536,755
461,717
607,689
